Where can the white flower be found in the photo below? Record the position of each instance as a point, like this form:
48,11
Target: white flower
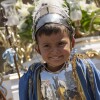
22,25
23,9
83,5
87,7
23,12
76,15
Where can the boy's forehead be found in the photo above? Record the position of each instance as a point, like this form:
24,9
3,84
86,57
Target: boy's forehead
53,36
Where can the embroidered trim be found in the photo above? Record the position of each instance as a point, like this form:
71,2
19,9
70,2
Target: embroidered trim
91,77
75,75
35,79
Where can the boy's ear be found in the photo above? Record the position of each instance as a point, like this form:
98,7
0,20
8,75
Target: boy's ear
73,41
37,49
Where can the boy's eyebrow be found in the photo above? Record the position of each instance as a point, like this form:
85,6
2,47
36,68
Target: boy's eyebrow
45,43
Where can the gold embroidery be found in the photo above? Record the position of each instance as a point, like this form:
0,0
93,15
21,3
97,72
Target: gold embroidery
76,77
39,94
91,77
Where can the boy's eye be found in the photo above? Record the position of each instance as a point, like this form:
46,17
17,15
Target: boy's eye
46,46
62,43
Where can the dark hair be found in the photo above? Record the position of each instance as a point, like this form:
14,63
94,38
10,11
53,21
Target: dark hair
52,28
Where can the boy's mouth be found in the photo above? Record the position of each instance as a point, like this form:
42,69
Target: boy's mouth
56,58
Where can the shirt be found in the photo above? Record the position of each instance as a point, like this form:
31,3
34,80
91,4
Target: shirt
59,85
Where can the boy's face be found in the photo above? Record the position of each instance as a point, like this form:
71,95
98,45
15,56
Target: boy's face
54,49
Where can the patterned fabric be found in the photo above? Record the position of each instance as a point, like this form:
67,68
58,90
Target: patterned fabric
59,86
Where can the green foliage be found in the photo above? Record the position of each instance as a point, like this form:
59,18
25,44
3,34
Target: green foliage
25,27
26,33
90,21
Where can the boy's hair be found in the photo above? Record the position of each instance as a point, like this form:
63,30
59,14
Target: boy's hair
52,28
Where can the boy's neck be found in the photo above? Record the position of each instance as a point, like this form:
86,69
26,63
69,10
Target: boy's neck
55,69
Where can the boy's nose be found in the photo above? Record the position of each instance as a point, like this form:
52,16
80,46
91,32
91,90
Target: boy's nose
55,50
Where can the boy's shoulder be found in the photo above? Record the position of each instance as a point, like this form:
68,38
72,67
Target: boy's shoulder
80,56
35,66
82,61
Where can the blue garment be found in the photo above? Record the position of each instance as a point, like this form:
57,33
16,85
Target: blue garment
91,94
28,83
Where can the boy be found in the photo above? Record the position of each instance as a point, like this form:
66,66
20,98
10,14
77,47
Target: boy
62,76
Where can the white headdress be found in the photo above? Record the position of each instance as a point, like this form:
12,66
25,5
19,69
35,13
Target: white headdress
50,11
57,3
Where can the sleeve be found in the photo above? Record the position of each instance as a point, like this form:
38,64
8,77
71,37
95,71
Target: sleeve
91,83
96,80
26,84
23,86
